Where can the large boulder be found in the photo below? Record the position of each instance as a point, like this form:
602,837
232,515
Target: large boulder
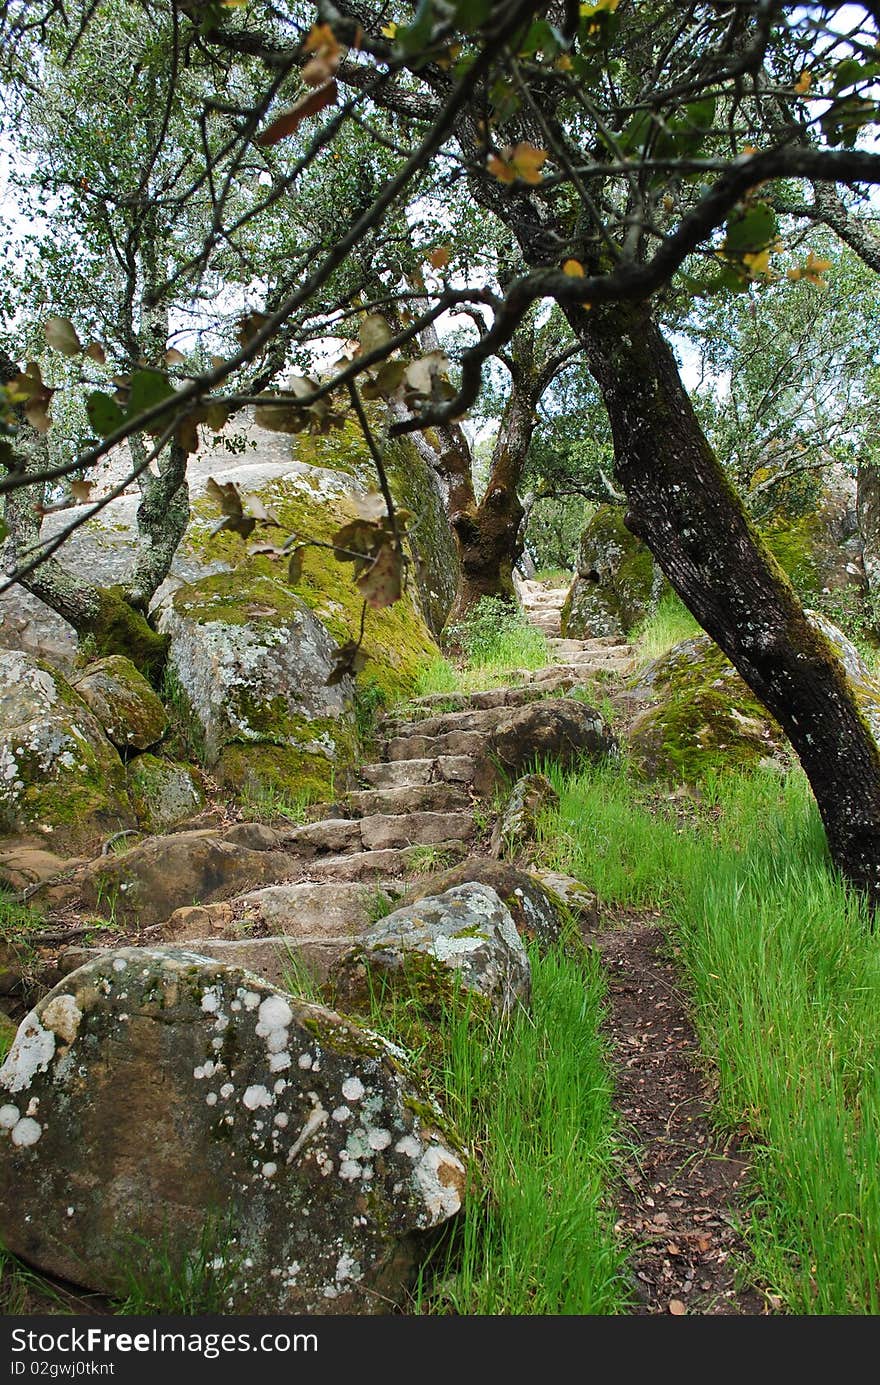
563,730
613,587
131,714
536,908
307,482
250,662
463,938
59,775
155,1099
703,717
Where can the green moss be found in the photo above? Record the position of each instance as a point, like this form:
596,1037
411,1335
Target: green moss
250,593
794,544
397,640
707,721
620,599
250,769
118,628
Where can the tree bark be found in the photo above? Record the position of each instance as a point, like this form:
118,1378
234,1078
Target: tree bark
488,533
682,505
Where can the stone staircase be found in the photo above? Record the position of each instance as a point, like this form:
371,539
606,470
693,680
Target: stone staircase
301,895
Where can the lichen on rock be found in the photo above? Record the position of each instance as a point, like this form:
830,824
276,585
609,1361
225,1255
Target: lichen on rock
59,774
703,717
613,587
463,938
129,710
301,1128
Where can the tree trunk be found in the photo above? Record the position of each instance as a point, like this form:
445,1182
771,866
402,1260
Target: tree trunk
683,506
489,533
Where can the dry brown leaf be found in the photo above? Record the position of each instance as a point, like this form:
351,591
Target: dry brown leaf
289,122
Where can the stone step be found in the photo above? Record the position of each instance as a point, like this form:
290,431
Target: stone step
421,747
470,719
597,643
388,864
415,798
335,836
436,703
405,774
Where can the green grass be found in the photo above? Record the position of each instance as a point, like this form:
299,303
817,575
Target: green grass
553,576
268,804
668,625
22,1290
531,1097
157,1281
496,640
784,973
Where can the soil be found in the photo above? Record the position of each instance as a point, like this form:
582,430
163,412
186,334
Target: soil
681,1197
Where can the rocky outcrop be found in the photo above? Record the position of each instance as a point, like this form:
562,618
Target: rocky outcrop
560,729
250,662
613,585
142,884
59,775
156,1099
463,938
163,793
128,709
704,717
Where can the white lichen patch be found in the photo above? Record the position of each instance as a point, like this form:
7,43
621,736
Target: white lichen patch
9,1117
32,1051
26,1132
256,1096
353,1089
211,1000
440,1175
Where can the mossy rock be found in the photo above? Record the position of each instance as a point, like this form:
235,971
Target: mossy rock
250,664
706,718
613,587
163,792
131,714
170,1100
59,774
315,504
537,911
424,952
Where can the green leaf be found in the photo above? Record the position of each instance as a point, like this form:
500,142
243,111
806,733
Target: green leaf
104,414
148,388
752,231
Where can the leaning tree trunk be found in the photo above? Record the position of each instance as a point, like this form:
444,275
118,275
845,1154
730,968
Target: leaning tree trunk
682,505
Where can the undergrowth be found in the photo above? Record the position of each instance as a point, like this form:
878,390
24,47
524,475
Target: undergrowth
531,1098
784,973
495,640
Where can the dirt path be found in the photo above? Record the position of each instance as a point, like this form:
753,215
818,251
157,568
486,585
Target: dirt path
681,1195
